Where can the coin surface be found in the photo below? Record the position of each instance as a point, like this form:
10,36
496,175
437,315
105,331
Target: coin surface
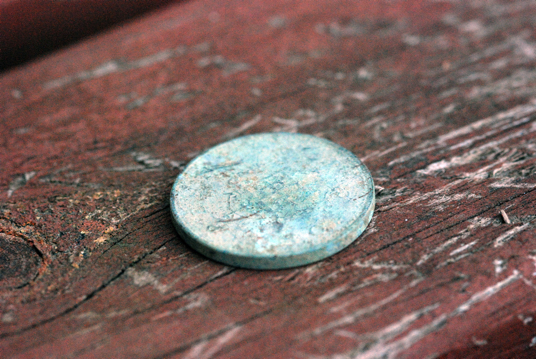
272,200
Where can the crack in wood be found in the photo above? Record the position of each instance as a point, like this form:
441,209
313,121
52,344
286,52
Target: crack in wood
479,213
88,296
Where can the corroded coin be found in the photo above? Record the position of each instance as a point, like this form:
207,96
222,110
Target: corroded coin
273,200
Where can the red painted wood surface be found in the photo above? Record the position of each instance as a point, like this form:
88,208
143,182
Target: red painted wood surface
437,98
29,28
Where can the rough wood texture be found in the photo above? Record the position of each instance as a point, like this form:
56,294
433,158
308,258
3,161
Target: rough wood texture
32,27
438,99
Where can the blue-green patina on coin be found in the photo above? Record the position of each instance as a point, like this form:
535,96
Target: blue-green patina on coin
273,200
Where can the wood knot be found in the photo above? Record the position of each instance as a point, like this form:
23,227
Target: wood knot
19,262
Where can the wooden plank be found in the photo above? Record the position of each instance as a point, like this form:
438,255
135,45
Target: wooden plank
30,28
437,98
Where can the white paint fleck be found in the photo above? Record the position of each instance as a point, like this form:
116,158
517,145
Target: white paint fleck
115,66
380,265
90,315
452,260
361,96
475,223
196,300
419,197
117,313
332,294
336,29
19,182
365,74
256,91
525,320
474,154
474,27
293,124
479,342
411,40
228,67
392,330
500,266
207,348
533,258
384,348
474,76
509,235
244,127
499,64
439,201
131,168
16,93
147,160
443,246
449,109
87,330
504,117
277,21
354,316
374,120
8,317
317,82
377,278
448,93
142,278
488,292
340,76
378,108
526,49
508,182
378,154
463,248
417,133
519,83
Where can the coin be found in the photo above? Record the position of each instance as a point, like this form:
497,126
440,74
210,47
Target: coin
272,200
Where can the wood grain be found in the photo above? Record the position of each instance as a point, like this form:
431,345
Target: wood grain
31,28
438,98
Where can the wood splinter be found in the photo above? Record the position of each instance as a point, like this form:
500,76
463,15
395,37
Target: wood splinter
505,217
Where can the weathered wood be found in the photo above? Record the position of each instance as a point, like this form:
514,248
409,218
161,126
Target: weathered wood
437,98
30,28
